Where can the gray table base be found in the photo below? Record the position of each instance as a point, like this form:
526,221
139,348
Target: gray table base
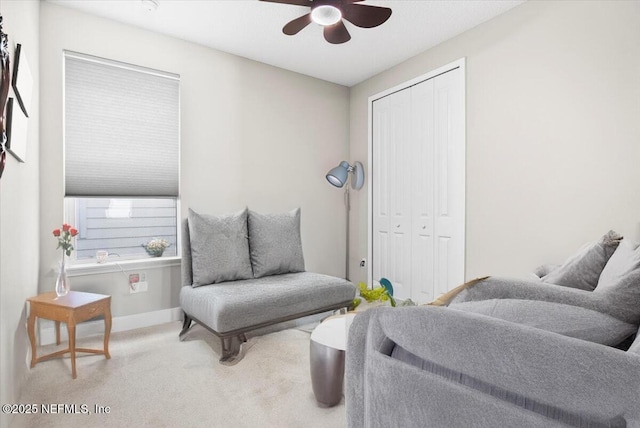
327,373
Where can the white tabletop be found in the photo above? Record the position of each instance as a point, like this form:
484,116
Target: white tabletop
333,331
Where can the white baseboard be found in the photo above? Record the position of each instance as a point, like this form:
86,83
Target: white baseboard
124,323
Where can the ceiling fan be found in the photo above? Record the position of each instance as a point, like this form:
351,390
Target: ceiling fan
330,13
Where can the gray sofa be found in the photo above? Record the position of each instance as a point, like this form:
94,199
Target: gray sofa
437,367
245,271
507,352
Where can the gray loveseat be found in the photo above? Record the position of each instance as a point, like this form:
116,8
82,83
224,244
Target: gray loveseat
245,271
503,352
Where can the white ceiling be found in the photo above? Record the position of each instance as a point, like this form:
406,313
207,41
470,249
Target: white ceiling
253,29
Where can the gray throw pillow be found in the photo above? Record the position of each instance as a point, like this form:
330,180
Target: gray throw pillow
624,260
219,248
624,295
543,270
275,243
584,268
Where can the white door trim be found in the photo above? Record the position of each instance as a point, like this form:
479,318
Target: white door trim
461,64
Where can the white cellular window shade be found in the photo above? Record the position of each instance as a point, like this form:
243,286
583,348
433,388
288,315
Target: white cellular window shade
122,129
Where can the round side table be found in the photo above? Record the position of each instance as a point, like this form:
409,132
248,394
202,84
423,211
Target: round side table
328,346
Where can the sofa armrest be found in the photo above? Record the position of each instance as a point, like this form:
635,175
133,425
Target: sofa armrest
356,359
580,378
512,288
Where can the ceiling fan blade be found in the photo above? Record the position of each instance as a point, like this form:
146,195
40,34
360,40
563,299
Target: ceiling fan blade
365,16
294,27
336,33
294,2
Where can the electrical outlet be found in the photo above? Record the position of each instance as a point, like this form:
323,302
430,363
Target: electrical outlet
138,287
363,263
138,283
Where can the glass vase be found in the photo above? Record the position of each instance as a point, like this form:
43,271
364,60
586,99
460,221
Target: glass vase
62,283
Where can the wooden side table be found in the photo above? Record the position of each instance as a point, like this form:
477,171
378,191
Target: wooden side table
71,309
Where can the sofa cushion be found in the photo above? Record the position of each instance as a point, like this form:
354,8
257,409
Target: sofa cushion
275,244
584,268
568,320
240,304
624,260
219,248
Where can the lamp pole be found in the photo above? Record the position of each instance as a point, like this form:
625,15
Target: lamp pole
338,177
347,203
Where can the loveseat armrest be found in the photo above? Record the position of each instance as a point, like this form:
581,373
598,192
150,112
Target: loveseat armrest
528,369
186,267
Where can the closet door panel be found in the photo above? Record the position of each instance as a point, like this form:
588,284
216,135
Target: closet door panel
392,215
422,191
449,181
380,195
400,191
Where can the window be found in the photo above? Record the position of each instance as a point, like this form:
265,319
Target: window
121,141
122,226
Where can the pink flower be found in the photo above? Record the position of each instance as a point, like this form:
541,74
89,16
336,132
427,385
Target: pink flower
65,237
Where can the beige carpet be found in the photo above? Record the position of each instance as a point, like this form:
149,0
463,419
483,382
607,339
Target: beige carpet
153,380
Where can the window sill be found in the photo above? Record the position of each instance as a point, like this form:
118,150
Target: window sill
124,265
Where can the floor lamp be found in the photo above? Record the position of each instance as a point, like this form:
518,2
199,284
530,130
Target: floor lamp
338,177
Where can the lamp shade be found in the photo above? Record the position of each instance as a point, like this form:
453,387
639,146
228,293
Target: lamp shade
338,175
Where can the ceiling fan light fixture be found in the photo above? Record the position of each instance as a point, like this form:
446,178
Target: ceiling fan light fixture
326,15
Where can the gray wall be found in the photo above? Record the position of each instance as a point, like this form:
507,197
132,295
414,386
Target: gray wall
19,216
553,136
248,138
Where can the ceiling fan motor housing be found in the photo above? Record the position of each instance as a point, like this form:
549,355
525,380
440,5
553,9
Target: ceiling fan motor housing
331,13
325,14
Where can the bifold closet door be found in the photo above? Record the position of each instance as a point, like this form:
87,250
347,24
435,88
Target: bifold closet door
449,198
391,198
418,187
423,186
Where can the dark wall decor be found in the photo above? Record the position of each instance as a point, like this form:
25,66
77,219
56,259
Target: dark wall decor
4,91
16,131
22,80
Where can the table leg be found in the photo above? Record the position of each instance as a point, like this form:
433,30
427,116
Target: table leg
31,326
107,331
57,332
71,329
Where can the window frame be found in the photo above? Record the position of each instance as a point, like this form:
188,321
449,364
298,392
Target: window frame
89,266
71,210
